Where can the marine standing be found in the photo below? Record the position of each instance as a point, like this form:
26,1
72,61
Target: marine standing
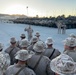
29,32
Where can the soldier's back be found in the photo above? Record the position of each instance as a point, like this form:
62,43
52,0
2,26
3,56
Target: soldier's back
43,67
13,69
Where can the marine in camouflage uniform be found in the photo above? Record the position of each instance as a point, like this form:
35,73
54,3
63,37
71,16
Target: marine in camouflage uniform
50,51
69,47
29,31
32,42
19,42
22,56
2,64
5,55
38,62
11,50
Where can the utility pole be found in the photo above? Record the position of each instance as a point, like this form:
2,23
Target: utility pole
27,10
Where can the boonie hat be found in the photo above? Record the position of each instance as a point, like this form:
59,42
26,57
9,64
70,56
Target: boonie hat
34,39
23,55
70,41
24,43
13,40
39,46
37,34
63,64
49,40
72,35
22,35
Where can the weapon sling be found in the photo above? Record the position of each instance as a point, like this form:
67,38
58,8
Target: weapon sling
52,54
11,51
10,56
37,62
20,70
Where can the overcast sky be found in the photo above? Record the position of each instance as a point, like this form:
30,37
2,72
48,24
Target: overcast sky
38,7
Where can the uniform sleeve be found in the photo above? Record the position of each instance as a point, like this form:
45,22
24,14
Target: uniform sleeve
7,59
48,69
7,72
7,50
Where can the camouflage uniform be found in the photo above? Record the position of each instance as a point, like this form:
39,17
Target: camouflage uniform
4,63
13,69
20,68
69,46
29,31
48,53
12,51
38,62
71,53
19,42
43,67
6,55
30,47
